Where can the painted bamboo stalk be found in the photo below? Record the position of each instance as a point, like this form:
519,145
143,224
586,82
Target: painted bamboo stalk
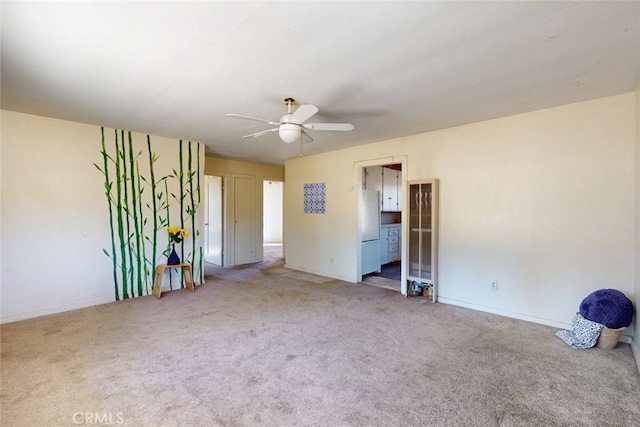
107,187
181,181
154,241
123,254
127,212
182,196
142,247
135,243
194,199
192,209
166,189
201,280
201,261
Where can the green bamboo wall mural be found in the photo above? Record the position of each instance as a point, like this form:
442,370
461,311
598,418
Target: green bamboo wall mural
191,208
136,238
168,219
154,200
141,246
179,198
107,187
181,181
119,210
141,203
194,195
127,215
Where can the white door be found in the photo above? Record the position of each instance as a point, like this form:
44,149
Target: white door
213,226
243,219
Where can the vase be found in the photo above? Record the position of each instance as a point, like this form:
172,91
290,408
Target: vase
174,259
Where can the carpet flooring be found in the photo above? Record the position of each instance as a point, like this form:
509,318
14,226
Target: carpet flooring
263,345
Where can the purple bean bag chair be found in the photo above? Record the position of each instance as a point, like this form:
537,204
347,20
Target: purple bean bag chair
608,307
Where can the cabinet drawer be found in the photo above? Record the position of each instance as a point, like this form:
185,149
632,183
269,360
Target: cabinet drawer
393,239
394,231
393,247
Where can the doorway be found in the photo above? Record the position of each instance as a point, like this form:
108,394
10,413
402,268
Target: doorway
386,179
272,219
213,230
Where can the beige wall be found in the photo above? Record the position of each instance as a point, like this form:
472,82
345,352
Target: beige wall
55,219
258,172
218,166
541,202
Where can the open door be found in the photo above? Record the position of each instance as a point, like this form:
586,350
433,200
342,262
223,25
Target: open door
213,230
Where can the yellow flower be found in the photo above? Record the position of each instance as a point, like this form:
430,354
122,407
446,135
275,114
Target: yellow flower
177,234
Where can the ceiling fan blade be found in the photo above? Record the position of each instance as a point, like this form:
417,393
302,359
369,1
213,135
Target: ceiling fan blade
264,132
306,138
303,113
329,126
240,116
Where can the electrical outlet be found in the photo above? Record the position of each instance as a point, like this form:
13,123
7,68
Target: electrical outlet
494,285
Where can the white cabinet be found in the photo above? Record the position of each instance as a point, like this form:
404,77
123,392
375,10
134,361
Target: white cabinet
390,190
393,246
390,244
423,235
388,182
384,245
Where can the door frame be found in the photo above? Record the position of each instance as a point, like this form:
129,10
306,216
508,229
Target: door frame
359,185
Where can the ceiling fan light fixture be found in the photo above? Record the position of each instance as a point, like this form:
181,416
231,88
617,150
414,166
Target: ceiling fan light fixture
289,133
291,126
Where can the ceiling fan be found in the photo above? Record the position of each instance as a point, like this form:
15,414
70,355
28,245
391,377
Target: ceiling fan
292,127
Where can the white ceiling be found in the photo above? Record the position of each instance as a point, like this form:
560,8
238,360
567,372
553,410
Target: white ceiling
391,68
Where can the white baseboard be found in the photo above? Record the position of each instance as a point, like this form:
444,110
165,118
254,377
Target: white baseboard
635,348
8,318
321,273
534,319
52,310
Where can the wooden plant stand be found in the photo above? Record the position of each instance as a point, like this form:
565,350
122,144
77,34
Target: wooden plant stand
157,282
